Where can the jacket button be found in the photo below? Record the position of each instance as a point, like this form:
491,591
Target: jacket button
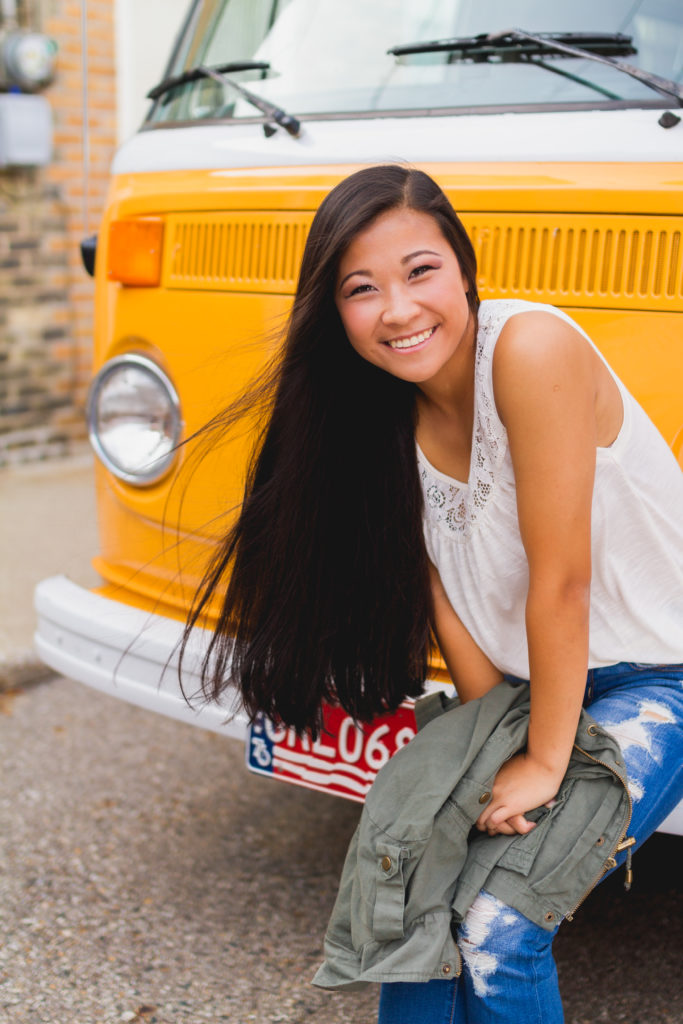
386,863
446,969
484,798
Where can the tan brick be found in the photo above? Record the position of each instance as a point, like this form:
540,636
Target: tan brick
45,345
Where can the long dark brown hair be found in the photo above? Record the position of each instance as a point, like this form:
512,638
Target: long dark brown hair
328,594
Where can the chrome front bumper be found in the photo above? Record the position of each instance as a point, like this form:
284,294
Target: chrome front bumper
125,652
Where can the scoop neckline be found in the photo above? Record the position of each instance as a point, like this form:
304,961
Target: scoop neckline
453,481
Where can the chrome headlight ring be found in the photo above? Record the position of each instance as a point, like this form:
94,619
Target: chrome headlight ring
134,420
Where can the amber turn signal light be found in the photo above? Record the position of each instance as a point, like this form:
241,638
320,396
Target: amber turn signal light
135,248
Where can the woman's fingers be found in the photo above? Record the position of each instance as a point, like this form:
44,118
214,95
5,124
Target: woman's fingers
504,829
521,824
493,816
502,822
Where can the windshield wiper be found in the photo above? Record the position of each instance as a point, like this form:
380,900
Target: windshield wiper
218,73
194,74
517,45
277,114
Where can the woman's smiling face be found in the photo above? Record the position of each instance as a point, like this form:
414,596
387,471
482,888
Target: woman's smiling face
402,297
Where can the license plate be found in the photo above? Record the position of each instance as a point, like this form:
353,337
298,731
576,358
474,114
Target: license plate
344,760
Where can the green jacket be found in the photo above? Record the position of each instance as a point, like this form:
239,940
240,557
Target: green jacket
412,869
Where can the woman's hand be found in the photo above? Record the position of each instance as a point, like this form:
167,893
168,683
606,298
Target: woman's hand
521,784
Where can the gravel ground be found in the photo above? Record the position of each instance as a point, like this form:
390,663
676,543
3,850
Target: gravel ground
147,877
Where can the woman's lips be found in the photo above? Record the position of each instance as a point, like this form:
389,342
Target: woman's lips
411,342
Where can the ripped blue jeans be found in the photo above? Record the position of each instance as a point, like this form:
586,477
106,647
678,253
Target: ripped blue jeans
509,974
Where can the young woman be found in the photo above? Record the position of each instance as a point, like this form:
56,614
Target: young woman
433,465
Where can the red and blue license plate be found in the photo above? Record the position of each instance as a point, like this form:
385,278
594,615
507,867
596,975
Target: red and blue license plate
344,760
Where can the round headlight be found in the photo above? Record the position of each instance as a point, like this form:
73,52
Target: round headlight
134,419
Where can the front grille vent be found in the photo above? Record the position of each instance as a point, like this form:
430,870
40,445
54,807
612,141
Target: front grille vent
250,252
607,261
597,260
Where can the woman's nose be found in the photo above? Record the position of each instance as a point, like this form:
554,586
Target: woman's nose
400,307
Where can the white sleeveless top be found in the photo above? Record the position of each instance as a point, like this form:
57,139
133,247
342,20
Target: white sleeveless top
472,531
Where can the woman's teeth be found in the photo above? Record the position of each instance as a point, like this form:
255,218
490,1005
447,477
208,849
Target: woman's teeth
415,339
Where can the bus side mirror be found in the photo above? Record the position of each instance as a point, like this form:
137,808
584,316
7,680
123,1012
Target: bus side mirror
88,252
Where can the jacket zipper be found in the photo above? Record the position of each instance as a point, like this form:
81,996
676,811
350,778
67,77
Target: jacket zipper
622,843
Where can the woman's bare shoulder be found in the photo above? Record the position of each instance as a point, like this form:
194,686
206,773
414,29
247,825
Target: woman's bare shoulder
539,330
539,353
538,340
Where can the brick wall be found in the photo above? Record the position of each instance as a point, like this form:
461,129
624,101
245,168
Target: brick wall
45,295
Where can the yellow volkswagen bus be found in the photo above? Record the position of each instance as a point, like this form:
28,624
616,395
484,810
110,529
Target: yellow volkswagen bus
559,141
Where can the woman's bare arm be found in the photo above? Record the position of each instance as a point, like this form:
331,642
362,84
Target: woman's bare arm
472,673
544,380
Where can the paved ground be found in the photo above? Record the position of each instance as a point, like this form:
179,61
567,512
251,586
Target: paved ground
145,876
47,526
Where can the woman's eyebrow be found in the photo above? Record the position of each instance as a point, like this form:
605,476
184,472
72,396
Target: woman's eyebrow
419,252
364,273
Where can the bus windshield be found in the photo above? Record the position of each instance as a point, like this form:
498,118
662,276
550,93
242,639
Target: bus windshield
330,58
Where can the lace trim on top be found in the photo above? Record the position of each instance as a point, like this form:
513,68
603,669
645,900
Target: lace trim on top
456,505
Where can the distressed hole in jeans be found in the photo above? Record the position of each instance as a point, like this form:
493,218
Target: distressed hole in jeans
637,734
638,730
485,915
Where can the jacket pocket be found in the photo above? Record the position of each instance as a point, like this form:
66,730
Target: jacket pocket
589,830
390,898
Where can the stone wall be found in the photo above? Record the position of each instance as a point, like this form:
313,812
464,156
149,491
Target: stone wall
45,295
